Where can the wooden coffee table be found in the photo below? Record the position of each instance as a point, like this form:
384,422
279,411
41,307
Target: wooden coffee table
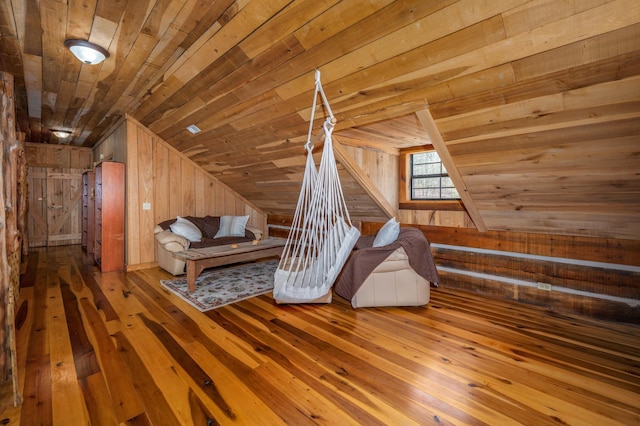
199,259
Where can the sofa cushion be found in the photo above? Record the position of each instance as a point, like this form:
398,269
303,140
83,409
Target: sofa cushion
166,224
187,229
209,225
232,226
388,233
166,237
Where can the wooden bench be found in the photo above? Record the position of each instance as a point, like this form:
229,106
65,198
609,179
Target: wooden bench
198,259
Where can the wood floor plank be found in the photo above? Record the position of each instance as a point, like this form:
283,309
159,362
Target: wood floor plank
253,410
98,400
312,375
126,401
562,377
156,406
86,362
161,368
539,359
85,275
37,397
64,379
199,376
554,351
180,323
609,332
263,340
362,374
120,349
403,359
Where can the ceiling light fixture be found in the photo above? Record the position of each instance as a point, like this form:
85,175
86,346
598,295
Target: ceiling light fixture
193,129
88,53
62,134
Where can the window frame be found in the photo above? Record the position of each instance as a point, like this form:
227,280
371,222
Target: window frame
405,201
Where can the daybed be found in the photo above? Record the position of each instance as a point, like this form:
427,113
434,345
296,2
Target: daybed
395,274
179,234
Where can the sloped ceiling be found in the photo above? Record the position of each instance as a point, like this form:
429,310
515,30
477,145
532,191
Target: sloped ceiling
537,102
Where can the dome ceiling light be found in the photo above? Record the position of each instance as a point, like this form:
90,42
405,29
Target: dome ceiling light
62,134
86,52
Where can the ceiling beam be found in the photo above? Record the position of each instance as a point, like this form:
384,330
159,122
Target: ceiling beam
441,148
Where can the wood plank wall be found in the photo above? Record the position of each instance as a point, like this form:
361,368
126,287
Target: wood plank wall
597,277
592,276
171,184
458,219
589,276
381,167
58,156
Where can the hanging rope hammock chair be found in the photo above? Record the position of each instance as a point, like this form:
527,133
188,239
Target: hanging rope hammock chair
322,235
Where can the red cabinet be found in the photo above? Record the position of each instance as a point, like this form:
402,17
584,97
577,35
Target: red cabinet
108,250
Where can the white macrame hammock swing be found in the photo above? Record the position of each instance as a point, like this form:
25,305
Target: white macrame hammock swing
322,235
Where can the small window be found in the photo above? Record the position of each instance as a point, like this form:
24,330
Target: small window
429,178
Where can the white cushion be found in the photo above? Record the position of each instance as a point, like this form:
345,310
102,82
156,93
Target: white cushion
186,228
388,233
232,226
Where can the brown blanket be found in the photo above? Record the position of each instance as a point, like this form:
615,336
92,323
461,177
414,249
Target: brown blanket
365,259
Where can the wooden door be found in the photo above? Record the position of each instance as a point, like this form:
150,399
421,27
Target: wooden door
64,206
55,207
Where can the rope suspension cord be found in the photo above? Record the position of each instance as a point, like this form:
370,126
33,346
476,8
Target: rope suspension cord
321,235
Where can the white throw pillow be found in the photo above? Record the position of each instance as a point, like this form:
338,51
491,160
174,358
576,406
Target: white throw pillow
232,226
388,233
186,228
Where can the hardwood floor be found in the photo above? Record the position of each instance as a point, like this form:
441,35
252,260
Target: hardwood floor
116,348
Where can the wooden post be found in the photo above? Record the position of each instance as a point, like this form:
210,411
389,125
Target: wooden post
441,148
6,90
9,237
23,196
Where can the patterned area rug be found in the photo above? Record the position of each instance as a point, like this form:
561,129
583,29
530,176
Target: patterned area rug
219,287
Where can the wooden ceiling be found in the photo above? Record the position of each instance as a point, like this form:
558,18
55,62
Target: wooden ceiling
537,102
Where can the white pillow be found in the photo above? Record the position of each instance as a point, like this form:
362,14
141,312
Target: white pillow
232,226
186,228
388,233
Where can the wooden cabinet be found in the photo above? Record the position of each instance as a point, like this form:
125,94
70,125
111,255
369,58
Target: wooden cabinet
108,250
88,211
